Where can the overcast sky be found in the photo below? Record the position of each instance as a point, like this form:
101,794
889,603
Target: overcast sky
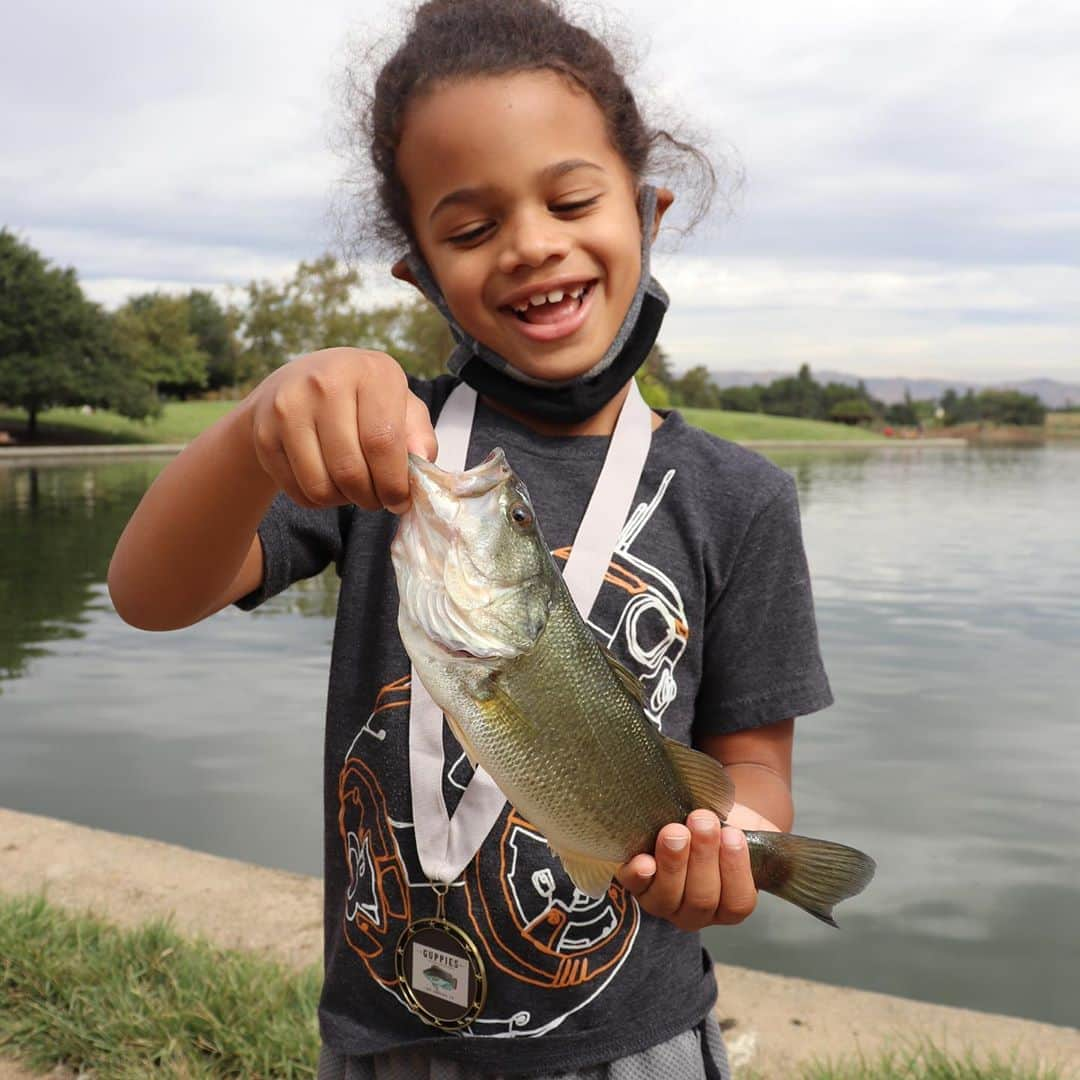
912,195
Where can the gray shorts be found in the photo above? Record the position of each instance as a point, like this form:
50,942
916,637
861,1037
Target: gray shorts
697,1054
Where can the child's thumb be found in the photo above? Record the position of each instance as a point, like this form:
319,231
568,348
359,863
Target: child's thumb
419,434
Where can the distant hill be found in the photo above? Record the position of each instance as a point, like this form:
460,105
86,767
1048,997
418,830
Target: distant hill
1053,394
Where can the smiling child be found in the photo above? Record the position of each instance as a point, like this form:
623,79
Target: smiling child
512,168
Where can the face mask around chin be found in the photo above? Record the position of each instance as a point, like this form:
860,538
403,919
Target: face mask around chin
573,400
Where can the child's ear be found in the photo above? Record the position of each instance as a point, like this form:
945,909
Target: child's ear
401,271
664,198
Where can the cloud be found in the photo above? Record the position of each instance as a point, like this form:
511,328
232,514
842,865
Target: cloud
911,171
992,322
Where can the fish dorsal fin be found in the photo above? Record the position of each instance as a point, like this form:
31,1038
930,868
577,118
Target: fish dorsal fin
709,785
625,675
591,876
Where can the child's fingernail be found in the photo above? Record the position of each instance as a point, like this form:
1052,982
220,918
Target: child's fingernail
704,823
675,843
731,838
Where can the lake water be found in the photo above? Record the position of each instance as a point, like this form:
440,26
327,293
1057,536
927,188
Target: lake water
948,594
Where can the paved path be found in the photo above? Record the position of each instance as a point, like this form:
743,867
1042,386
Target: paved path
778,1021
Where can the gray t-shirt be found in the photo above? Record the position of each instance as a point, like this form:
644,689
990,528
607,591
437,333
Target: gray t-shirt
707,599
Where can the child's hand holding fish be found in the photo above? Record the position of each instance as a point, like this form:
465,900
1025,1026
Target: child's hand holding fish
699,874
336,426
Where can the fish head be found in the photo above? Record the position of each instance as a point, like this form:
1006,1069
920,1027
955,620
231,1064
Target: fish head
474,575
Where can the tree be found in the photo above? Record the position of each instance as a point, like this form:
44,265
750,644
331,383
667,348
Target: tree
741,398
315,309
658,368
854,410
798,396
214,328
903,412
655,379
414,334
56,347
155,331
696,389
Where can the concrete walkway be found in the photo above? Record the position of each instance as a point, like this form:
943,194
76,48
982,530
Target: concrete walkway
778,1022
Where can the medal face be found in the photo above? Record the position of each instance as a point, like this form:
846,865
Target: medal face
441,973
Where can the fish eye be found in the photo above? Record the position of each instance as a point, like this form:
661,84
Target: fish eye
520,515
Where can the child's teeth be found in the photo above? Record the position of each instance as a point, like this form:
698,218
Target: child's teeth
575,293
555,297
523,306
538,299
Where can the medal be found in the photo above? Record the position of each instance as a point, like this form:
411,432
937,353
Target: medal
440,971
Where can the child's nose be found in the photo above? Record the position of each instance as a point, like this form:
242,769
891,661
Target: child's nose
531,240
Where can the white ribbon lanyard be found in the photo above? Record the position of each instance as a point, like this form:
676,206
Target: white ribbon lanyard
445,844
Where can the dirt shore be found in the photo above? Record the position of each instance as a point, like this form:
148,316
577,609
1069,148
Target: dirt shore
778,1022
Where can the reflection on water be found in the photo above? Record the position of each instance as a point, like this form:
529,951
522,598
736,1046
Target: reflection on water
948,596
57,531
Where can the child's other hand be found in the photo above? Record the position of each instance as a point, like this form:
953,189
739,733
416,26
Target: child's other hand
336,426
699,874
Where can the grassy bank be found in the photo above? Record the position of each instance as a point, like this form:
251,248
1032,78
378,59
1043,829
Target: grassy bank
926,1062
77,991
1063,425
750,427
181,421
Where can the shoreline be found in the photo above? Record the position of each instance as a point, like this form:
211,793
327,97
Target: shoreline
773,1023
16,454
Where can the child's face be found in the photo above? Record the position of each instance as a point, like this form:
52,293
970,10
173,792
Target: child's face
516,191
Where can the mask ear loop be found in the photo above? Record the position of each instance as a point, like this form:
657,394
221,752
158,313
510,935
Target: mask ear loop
467,347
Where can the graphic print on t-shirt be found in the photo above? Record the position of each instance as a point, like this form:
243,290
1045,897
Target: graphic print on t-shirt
535,930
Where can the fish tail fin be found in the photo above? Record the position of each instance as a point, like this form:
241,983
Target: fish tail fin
812,874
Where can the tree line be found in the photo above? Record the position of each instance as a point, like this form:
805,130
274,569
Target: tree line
59,348
803,396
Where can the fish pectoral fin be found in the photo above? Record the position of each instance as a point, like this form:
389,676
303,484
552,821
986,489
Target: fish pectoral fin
501,710
709,785
624,675
591,876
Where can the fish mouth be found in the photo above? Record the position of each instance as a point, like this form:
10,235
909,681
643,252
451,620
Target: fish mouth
439,497
428,481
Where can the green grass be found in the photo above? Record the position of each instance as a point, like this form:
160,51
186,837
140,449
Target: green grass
122,1004
179,422
749,427
927,1062
128,1003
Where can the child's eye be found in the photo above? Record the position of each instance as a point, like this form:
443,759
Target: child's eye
573,206
471,236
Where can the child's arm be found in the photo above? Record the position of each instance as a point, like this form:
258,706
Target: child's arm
329,428
707,879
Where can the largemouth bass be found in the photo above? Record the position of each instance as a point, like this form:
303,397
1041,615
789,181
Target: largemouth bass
554,718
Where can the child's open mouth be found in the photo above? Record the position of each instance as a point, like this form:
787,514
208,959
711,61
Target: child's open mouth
556,313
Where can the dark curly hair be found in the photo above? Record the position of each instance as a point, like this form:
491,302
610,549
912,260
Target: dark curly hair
454,39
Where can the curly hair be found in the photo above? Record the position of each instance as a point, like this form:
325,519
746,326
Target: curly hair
457,39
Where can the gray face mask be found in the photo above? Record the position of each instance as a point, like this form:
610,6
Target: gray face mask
649,295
